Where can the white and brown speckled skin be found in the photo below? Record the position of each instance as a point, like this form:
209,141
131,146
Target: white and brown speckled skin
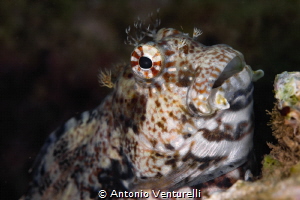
172,126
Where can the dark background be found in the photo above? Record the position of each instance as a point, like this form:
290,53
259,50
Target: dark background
51,52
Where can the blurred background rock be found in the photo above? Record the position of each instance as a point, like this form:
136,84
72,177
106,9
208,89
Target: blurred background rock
51,52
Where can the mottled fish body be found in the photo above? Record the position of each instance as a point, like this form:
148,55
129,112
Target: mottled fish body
179,118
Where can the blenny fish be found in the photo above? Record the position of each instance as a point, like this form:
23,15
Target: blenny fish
179,118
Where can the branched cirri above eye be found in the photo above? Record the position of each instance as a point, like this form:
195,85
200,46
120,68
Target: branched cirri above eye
146,61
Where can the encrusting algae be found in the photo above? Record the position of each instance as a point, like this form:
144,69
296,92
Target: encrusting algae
285,120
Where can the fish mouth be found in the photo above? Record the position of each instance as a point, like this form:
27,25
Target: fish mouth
231,84
222,83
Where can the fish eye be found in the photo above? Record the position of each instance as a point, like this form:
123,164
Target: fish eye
146,61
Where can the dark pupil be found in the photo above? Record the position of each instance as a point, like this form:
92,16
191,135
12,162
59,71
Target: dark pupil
145,62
